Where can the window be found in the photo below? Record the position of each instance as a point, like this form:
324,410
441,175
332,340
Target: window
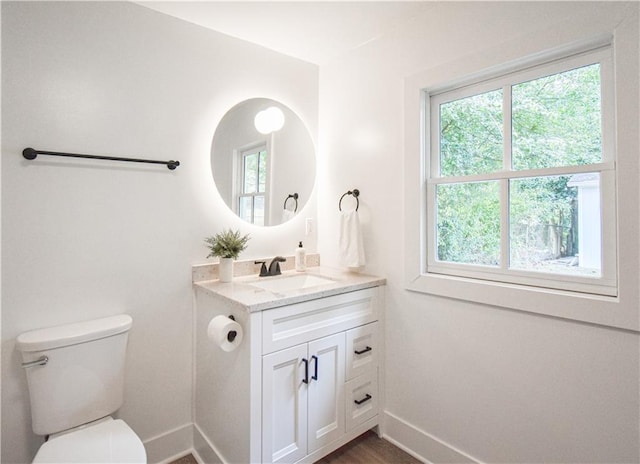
520,177
253,179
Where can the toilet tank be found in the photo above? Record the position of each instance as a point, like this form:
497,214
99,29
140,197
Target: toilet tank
83,379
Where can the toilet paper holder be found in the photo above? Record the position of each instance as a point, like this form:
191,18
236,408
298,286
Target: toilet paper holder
231,336
225,332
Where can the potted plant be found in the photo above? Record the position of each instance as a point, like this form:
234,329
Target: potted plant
226,245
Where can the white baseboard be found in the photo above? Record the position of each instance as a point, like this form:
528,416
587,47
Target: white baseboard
420,444
346,438
423,446
204,449
170,446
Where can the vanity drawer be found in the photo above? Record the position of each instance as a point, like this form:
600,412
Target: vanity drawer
361,399
302,322
362,350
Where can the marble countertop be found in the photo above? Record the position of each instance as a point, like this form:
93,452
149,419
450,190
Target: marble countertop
241,293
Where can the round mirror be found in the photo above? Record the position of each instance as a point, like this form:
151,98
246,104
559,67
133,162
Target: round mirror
263,161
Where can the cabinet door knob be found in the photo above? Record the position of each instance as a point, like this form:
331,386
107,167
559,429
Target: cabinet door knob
363,400
315,370
306,370
363,351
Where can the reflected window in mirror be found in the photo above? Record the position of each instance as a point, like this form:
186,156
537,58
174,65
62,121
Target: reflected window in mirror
253,179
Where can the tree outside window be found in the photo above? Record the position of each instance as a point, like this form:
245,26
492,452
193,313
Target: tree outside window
516,171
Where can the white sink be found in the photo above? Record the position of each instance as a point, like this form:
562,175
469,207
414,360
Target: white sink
291,282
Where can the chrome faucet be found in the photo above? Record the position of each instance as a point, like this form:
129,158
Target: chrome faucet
274,267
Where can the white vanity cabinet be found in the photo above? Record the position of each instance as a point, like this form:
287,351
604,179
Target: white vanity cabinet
303,383
302,399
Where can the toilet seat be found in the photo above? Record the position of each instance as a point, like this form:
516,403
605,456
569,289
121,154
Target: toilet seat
106,441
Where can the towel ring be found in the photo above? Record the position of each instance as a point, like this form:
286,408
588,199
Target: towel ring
295,197
355,194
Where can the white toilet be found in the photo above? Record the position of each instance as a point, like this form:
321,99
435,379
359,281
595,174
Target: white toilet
75,374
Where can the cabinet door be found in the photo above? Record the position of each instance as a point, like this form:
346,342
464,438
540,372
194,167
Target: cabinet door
326,390
284,405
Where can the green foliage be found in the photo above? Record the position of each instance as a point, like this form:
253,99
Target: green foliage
542,219
255,172
469,223
471,135
556,121
227,244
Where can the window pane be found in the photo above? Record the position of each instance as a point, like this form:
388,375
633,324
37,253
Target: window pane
471,135
262,171
244,208
258,213
468,223
250,171
555,224
556,120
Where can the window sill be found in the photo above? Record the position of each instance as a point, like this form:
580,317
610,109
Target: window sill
584,307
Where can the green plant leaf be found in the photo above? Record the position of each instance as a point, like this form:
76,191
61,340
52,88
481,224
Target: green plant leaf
227,244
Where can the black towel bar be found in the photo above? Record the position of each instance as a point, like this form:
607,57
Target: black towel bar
31,154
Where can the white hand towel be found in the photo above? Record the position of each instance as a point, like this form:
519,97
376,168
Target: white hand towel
351,245
287,214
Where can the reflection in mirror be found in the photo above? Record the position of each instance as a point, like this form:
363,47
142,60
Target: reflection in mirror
263,161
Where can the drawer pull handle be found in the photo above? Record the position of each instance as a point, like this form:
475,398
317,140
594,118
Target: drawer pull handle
363,351
315,373
306,370
363,400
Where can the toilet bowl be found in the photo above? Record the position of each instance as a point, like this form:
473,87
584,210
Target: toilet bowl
104,441
75,375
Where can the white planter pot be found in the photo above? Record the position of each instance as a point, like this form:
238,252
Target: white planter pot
225,269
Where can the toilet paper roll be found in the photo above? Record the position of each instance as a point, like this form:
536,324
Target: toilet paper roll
225,333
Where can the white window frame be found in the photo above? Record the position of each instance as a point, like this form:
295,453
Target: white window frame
238,193
606,284
619,311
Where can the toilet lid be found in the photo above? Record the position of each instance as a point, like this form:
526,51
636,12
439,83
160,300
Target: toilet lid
110,441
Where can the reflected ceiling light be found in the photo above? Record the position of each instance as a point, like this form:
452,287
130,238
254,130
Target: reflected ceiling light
269,120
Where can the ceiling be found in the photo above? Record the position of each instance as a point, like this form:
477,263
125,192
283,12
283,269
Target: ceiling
316,32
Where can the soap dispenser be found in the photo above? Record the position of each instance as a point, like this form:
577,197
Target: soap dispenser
301,258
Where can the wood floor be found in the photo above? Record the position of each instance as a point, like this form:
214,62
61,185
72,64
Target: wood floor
366,449
188,459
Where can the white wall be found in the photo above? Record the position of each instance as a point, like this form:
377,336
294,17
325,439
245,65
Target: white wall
466,381
86,239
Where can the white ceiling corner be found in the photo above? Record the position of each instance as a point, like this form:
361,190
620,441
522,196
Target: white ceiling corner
313,31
